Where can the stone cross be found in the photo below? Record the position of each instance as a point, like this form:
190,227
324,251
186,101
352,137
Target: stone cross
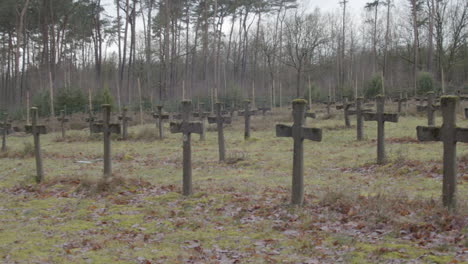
160,117
381,117
346,106
298,132
247,113
359,117
36,130
62,120
232,109
329,103
125,119
430,108
449,134
107,129
400,102
220,121
90,120
202,116
186,128
5,126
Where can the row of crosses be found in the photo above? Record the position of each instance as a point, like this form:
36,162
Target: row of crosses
448,133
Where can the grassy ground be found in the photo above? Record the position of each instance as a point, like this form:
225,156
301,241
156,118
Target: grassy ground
354,212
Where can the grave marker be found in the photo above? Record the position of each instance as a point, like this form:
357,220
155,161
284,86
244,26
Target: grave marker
202,116
36,130
359,117
5,126
449,134
160,117
63,120
329,103
186,128
346,106
298,132
220,121
430,108
90,120
107,129
400,102
247,113
125,119
381,117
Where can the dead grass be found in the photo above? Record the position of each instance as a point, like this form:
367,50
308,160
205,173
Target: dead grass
144,133
76,136
403,214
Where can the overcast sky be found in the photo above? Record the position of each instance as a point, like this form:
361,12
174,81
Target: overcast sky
354,6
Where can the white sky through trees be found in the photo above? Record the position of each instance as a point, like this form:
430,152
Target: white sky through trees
354,7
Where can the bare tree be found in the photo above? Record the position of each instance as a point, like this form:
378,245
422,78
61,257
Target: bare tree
304,34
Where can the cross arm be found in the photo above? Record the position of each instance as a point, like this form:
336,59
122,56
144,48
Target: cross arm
314,134
186,127
390,117
311,115
387,117
283,131
99,128
429,133
5,126
162,116
114,128
224,119
462,135
126,118
40,129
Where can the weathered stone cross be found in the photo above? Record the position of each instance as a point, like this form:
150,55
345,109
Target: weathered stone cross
329,103
247,113
298,132
160,118
90,120
186,128
36,130
125,119
62,120
449,134
220,121
202,116
345,108
430,108
5,126
359,117
107,129
381,117
400,102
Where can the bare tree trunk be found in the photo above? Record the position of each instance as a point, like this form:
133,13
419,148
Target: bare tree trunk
387,38
430,52
414,15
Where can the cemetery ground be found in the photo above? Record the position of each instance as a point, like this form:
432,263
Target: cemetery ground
354,210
